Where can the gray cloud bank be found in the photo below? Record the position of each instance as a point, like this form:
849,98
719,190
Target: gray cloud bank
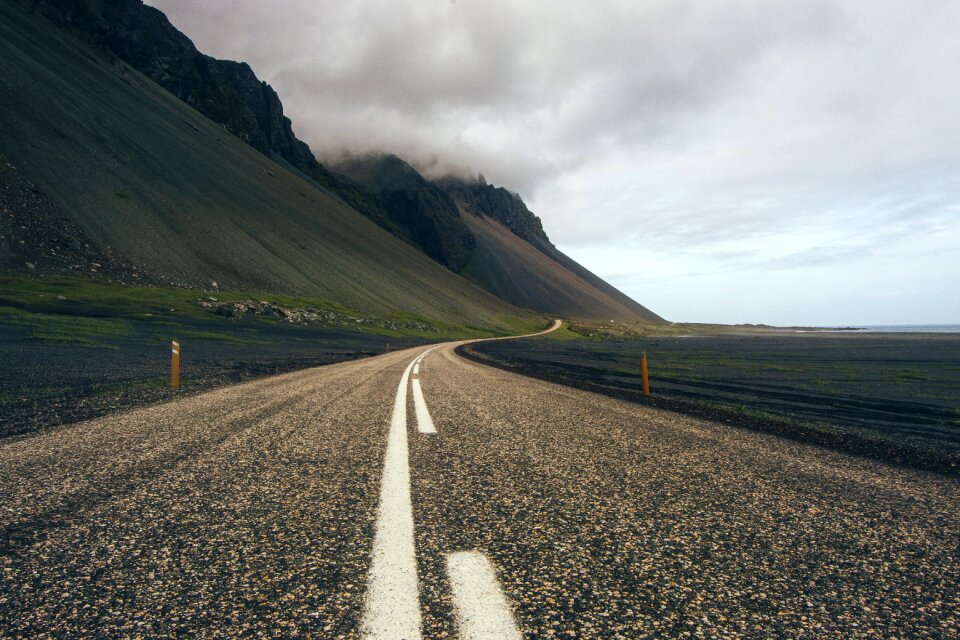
687,123
530,91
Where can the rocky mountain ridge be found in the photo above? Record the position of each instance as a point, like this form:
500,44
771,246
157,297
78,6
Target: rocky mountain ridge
231,94
225,91
415,206
442,218
498,203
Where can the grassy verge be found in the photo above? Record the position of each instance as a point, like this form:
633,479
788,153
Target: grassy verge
92,312
73,349
63,328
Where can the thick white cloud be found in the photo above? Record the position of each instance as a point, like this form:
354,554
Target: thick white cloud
743,147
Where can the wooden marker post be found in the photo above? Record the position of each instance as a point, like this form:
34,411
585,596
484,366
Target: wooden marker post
644,376
175,365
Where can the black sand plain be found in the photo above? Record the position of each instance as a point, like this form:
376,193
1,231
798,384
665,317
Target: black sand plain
47,383
892,396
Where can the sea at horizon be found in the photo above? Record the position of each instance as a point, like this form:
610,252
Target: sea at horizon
910,328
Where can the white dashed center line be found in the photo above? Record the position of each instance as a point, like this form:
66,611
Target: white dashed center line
393,597
481,609
424,421
392,609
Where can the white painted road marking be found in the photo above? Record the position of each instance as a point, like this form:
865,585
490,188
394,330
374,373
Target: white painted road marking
393,596
481,609
416,368
392,608
424,421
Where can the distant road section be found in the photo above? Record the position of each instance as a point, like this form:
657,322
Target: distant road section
312,504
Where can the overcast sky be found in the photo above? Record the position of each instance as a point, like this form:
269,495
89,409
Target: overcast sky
724,161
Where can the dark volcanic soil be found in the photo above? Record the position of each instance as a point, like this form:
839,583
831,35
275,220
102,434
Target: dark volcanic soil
893,396
47,383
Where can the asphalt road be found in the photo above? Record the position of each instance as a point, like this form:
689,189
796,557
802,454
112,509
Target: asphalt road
318,504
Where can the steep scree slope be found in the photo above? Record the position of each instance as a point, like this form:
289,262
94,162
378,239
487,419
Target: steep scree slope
492,238
514,259
225,91
151,181
385,189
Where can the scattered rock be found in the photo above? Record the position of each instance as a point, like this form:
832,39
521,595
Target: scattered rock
39,238
301,315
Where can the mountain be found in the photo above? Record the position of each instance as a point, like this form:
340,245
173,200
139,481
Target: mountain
490,236
514,259
161,189
103,170
417,208
225,91
496,203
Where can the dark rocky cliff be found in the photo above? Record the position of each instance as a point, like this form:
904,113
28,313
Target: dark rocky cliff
418,209
225,91
482,199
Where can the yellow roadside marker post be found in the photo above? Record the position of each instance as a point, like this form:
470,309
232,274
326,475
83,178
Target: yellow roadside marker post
644,376
175,365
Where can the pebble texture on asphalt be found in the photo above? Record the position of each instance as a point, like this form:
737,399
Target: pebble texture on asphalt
244,511
611,520
249,511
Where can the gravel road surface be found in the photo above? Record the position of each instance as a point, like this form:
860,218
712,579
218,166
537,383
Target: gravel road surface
538,511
